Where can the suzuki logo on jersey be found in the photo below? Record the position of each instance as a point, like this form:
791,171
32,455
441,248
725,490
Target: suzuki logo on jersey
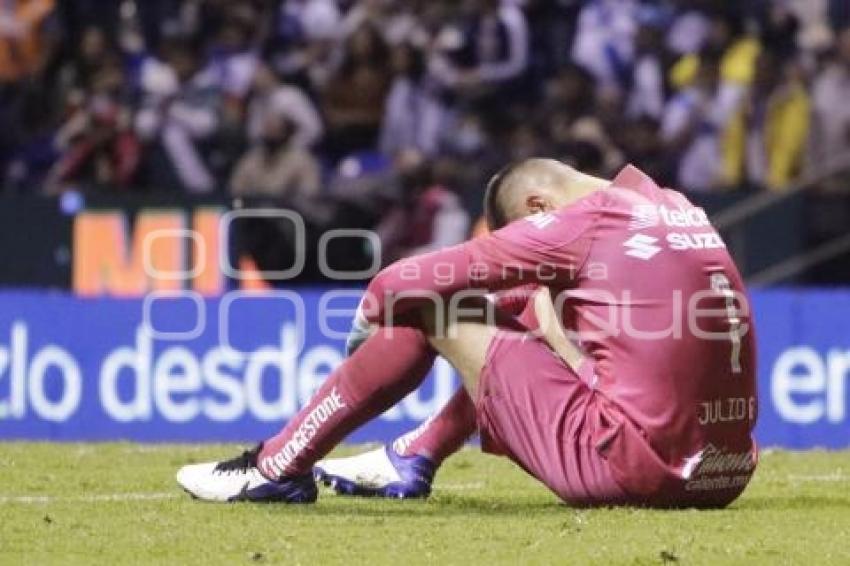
702,241
649,215
542,220
641,246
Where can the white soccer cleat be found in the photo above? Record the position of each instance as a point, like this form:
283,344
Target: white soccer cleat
240,480
378,473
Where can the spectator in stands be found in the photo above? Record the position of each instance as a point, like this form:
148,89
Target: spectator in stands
839,13
604,42
483,59
831,111
728,38
272,98
94,51
311,18
396,20
276,166
99,148
576,116
414,116
429,216
304,46
24,42
776,123
642,146
501,45
692,128
398,75
232,59
469,137
689,29
571,91
25,48
646,93
779,28
355,96
725,35
179,114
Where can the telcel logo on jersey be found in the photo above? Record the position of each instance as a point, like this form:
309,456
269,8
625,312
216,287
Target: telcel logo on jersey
646,216
650,215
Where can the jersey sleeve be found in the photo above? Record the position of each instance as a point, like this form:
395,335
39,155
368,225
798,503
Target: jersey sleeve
515,301
546,249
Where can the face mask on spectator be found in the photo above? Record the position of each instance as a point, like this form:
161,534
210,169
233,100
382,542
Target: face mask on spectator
469,139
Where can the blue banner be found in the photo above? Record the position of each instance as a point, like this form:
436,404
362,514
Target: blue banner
804,365
176,367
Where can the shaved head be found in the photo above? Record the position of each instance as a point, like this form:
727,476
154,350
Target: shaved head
532,186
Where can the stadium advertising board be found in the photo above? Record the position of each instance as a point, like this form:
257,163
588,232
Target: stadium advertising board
180,367
176,367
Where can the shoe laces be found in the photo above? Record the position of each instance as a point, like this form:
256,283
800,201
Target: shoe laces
241,463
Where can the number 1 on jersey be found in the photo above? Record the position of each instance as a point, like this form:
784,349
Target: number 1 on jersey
720,284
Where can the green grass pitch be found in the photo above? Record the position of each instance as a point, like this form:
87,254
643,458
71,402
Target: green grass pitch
118,504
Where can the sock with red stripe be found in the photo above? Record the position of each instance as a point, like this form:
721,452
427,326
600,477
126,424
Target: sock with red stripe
387,367
444,434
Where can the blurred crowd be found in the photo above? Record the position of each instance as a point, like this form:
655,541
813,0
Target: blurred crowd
393,113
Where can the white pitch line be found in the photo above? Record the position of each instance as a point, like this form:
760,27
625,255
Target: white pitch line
100,498
460,486
837,477
162,496
120,497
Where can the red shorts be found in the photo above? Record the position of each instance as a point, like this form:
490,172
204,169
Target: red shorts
536,410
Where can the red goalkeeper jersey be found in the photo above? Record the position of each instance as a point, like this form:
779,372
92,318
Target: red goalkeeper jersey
647,288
